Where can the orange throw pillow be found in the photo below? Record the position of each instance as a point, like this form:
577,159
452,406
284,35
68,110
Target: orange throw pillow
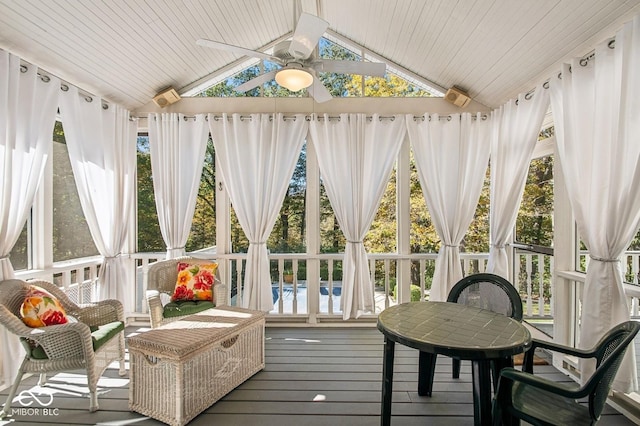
40,309
195,282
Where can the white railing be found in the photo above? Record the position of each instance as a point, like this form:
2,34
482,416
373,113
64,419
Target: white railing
533,272
142,262
630,263
631,270
307,295
321,296
78,277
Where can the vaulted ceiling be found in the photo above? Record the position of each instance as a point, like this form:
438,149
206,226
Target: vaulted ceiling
127,50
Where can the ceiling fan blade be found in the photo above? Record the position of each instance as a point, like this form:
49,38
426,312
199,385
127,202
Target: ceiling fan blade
318,91
376,69
235,49
255,82
308,31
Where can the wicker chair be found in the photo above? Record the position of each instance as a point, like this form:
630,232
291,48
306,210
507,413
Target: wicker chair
540,401
68,346
486,291
161,281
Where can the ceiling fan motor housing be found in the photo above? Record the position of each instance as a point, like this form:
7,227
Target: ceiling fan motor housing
281,50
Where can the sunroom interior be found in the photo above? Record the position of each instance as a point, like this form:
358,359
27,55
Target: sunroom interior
551,81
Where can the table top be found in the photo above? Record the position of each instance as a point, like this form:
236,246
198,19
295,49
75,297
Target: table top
454,329
178,339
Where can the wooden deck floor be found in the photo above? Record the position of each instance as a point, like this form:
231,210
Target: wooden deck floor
313,376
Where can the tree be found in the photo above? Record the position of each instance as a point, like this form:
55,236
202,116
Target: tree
149,235
391,85
476,240
339,85
225,89
203,226
534,224
288,235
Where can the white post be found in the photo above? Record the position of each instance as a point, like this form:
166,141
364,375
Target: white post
313,235
403,220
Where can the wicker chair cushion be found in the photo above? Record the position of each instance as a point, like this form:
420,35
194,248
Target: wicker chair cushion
186,307
99,336
195,281
40,308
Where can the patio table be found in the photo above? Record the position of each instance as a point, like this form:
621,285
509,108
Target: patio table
454,330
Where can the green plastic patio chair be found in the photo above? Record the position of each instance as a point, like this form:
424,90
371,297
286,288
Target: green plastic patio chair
540,401
485,291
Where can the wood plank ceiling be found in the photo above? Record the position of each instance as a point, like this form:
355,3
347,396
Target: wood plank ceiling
127,50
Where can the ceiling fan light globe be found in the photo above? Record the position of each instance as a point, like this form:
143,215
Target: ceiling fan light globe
294,79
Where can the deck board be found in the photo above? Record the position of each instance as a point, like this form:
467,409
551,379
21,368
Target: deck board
313,376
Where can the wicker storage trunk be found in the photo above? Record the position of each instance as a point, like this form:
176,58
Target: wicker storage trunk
182,368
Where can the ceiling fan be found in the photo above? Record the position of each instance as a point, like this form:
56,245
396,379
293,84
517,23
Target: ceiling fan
299,66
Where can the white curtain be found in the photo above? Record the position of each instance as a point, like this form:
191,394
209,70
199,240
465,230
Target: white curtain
356,154
177,146
257,155
596,113
27,115
451,155
516,126
101,140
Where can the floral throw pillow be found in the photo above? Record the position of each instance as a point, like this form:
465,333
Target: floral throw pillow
40,309
195,282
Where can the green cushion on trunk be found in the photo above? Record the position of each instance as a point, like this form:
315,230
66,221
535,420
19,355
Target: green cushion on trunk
186,307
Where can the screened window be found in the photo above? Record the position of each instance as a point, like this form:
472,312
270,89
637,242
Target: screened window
71,236
149,235
203,226
288,235
21,252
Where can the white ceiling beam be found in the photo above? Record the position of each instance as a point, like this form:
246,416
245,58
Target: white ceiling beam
368,105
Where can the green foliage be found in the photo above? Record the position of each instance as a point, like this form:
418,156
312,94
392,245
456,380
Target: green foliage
423,235
225,89
476,239
203,226
389,86
534,224
381,237
339,85
288,235
332,239
416,293
149,235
